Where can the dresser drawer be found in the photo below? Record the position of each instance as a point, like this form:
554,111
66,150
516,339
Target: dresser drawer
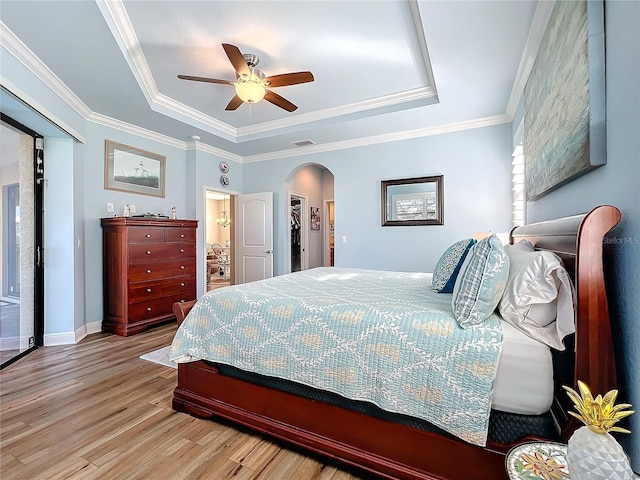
144,291
155,308
187,235
144,252
141,272
146,234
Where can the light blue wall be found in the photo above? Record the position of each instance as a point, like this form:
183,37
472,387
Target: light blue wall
476,165
23,83
59,245
187,174
203,173
79,192
97,197
617,183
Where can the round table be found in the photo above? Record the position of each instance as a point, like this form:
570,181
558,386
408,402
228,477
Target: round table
538,461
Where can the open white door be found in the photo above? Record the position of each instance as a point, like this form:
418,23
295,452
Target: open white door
254,237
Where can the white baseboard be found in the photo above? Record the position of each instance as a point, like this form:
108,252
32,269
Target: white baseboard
53,339
70,338
88,329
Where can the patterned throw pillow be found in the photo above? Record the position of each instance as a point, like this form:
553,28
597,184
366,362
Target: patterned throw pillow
447,268
481,282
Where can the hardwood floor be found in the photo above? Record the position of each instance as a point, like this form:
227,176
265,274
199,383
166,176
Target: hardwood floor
96,411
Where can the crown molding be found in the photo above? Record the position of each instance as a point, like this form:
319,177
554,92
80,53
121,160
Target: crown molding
203,147
27,58
122,30
384,138
119,23
40,109
422,42
31,62
386,101
536,31
135,130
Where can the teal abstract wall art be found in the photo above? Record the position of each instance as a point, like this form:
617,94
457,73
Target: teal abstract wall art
564,123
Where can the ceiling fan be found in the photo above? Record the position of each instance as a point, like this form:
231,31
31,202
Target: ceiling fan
251,83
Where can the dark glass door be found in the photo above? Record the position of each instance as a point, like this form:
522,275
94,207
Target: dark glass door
21,292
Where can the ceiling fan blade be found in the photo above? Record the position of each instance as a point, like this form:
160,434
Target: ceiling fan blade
289,79
235,102
279,101
204,79
236,59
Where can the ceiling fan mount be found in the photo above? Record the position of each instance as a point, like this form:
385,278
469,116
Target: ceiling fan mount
251,83
252,59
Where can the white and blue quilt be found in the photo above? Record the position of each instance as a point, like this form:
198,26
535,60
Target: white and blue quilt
383,337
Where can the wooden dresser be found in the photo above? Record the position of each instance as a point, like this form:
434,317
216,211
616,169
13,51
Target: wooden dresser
148,265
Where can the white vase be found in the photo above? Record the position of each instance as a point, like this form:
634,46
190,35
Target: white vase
595,456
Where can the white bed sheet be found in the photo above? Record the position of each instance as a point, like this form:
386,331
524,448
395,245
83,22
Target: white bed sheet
524,382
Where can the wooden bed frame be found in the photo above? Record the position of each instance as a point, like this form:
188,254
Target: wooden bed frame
392,450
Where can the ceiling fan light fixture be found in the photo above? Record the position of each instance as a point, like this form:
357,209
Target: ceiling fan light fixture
250,91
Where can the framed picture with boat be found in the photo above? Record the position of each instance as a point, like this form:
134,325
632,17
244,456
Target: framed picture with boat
130,169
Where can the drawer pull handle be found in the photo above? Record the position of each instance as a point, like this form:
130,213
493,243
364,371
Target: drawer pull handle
148,252
182,267
181,301
182,235
148,235
148,309
182,250
182,284
149,290
148,271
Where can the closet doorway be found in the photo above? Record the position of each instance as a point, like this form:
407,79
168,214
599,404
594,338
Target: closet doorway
219,240
298,232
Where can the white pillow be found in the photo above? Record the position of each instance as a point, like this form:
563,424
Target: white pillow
539,298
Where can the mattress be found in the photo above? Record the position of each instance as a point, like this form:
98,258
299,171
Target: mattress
524,382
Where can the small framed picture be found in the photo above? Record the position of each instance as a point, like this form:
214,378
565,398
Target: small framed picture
315,218
129,169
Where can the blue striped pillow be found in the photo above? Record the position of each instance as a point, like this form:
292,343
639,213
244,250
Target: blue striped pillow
481,282
447,268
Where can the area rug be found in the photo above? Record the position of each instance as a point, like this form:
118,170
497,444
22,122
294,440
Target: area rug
160,356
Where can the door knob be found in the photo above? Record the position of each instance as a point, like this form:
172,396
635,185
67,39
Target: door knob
268,252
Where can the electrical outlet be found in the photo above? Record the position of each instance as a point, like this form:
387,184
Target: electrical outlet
110,208
344,239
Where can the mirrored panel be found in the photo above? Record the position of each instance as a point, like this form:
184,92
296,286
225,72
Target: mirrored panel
413,201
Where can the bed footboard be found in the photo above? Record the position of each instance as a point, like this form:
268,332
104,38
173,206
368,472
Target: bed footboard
388,449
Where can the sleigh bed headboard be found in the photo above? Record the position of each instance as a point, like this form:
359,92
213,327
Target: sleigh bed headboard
589,355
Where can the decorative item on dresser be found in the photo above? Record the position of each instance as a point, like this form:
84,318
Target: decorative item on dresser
149,264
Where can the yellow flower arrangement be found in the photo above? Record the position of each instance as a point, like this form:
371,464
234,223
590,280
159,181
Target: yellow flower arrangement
600,414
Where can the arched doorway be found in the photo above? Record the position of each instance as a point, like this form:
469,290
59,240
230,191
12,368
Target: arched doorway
310,193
